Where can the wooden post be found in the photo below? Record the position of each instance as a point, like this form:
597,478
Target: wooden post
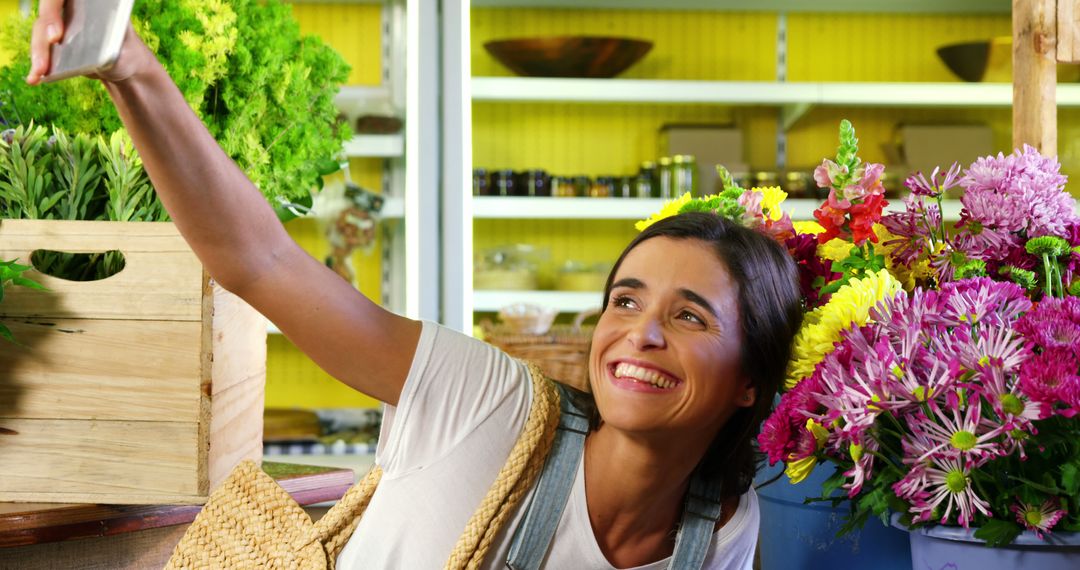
1035,73
1068,31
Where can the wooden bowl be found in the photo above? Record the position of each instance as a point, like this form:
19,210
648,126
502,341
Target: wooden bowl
990,61
568,56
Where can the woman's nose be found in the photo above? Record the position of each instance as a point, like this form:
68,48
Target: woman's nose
646,333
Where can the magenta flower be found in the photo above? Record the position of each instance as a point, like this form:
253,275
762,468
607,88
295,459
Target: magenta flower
784,433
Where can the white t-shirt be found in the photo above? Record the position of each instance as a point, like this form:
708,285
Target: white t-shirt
461,411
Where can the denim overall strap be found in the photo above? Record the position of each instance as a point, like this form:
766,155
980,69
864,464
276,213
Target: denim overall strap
533,535
698,521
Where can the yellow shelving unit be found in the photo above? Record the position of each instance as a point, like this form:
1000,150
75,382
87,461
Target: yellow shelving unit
717,66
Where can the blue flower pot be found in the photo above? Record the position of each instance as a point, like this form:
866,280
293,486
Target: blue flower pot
956,548
796,536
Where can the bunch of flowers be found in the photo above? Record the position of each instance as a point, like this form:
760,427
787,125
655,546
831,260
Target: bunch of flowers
937,369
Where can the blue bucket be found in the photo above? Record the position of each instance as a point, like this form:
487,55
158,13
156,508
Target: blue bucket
795,536
956,548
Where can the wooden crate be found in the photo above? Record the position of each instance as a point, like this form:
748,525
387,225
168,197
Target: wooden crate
142,388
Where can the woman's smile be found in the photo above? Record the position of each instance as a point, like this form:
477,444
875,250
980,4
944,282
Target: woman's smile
641,377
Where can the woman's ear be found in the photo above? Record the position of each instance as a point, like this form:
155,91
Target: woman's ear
748,397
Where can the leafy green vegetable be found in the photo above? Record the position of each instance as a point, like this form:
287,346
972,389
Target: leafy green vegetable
264,91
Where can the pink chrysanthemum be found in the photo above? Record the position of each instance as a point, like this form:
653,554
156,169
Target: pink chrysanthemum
983,301
1038,519
948,482
954,432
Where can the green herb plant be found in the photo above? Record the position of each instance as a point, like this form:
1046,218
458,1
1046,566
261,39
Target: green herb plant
47,174
264,90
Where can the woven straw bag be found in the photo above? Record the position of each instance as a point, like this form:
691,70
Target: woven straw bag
562,353
250,522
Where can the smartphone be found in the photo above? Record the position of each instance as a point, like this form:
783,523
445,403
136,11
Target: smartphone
93,34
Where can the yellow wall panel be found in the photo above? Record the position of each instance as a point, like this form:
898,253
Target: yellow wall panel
292,379
686,44
571,139
881,47
354,30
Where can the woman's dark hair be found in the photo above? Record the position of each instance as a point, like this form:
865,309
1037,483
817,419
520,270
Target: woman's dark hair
769,312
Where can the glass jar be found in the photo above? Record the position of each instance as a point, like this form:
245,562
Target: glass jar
480,182
582,185
562,187
502,183
649,172
766,179
666,175
691,176
797,183
643,186
534,183
602,187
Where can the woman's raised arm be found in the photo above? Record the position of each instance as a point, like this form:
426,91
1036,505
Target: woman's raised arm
235,233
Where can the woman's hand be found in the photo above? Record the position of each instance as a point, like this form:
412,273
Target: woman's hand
49,30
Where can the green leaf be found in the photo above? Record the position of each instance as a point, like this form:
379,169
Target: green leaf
24,282
5,333
833,483
1070,479
997,532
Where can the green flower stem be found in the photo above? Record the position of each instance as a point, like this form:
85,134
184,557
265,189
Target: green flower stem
897,470
1048,275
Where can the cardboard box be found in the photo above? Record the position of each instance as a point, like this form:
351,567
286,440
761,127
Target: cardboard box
145,387
710,145
925,147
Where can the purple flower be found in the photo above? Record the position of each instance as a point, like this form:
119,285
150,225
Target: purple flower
912,228
921,186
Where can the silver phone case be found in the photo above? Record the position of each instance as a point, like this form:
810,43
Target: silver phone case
93,35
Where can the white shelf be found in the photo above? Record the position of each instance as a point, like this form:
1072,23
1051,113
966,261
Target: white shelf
564,301
862,6
768,93
393,209
375,146
497,207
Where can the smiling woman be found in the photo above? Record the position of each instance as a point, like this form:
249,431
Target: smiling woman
700,314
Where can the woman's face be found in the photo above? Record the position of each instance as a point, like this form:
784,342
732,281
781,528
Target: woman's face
665,352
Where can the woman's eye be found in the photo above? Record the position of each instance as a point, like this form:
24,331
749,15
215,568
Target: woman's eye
622,302
691,317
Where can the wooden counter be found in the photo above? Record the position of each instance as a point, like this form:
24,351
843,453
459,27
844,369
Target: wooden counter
77,536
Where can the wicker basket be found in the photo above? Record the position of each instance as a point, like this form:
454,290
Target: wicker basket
562,353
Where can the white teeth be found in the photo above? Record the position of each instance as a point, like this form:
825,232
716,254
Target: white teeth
639,374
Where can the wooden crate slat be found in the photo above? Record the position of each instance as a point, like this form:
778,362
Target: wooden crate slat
235,433
101,369
69,460
156,261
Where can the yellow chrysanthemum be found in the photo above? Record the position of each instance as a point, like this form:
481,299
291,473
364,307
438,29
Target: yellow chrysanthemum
771,198
807,227
670,208
835,249
822,327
